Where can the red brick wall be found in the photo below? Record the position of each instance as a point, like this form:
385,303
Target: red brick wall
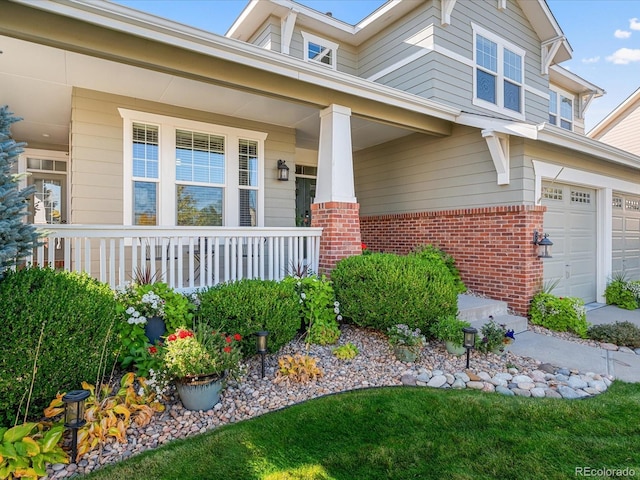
492,246
341,232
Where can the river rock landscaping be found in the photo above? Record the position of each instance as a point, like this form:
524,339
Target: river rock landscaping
374,366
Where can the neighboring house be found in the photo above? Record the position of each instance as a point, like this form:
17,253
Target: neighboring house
621,129
440,121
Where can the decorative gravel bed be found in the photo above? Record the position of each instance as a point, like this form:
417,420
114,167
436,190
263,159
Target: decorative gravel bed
374,366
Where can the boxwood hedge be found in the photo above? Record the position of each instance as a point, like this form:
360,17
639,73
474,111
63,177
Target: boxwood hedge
250,305
77,313
383,289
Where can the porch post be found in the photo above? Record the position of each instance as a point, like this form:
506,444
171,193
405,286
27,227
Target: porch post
335,208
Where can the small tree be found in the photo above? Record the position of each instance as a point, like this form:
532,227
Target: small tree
17,239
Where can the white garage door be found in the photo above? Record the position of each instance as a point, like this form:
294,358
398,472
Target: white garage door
626,235
570,221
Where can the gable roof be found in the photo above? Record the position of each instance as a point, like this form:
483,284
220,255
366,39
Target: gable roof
258,11
631,104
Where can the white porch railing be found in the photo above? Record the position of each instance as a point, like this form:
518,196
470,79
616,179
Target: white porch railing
184,257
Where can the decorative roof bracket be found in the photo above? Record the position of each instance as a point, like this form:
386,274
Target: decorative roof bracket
585,101
549,49
446,6
286,28
498,144
502,4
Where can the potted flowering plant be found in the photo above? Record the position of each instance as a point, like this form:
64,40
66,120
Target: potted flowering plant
495,338
198,361
156,307
406,343
449,330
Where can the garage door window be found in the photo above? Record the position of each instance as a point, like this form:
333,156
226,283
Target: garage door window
552,193
580,197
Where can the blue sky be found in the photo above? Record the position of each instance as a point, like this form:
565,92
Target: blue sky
604,35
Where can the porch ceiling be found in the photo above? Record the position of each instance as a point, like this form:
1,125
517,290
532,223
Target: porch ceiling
36,82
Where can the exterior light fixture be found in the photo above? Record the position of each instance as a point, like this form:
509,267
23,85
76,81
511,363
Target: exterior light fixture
74,416
469,340
283,171
261,346
543,243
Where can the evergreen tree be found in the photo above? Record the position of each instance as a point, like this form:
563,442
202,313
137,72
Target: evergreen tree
17,239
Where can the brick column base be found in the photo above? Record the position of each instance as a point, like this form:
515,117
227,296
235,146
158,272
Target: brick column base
341,238
491,246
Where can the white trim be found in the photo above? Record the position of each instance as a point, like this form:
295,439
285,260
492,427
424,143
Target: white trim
559,94
498,144
502,44
322,42
446,8
548,50
537,92
166,175
604,186
287,25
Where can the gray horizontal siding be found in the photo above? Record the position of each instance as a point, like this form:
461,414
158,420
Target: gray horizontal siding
420,173
268,35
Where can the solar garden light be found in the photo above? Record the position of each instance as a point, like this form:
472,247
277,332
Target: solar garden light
74,416
261,346
469,340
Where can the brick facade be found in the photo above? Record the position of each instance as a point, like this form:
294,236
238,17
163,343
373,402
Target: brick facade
341,232
492,246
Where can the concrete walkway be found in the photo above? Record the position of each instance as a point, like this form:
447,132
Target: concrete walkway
564,353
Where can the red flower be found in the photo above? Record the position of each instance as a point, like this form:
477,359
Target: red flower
184,334
228,339
238,337
153,350
363,246
172,337
227,349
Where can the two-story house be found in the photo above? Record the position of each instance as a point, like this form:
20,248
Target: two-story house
438,121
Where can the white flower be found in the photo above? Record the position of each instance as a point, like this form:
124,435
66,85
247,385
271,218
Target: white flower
135,314
339,317
141,392
336,304
336,310
130,310
303,295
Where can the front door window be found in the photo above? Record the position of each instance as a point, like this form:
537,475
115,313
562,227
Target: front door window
305,192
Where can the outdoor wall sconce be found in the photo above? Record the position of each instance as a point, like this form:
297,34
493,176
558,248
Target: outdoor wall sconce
261,346
469,340
283,171
543,243
74,416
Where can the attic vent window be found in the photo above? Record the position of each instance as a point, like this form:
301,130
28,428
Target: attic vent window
320,50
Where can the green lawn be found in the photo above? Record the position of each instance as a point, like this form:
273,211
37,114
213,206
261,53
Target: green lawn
404,432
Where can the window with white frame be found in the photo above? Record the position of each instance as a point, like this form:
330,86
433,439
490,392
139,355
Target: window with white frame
561,109
319,50
187,173
498,74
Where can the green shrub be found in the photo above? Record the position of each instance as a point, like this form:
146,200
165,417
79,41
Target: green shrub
622,293
382,289
319,310
78,313
624,334
449,329
430,252
248,306
559,313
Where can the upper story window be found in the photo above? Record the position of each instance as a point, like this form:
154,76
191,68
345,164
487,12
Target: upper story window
561,109
186,173
320,50
498,74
